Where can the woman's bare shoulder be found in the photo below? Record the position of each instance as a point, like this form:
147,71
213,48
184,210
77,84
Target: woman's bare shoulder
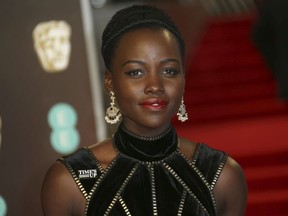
60,195
231,189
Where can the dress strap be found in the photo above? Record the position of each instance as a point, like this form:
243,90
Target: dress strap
84,169
210,162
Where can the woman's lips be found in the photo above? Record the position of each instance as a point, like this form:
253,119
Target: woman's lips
154,104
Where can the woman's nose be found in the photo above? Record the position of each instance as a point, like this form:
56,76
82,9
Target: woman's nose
154,84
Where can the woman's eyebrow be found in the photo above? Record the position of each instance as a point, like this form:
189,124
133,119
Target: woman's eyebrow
143,63
133,62
170,60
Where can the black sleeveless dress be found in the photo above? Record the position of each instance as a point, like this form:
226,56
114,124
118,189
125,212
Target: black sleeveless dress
148,177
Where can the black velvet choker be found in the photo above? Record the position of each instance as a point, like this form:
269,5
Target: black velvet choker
145,148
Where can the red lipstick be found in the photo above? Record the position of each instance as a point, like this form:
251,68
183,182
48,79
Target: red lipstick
154,104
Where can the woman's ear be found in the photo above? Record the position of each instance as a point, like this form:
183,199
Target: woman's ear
108,81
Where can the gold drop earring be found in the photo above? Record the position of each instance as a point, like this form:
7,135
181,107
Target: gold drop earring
182,114
112,113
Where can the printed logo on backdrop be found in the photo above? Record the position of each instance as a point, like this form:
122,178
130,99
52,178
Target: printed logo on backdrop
64,137
52,45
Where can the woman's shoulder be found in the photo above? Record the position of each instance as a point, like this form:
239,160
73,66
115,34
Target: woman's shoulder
231,189
59,172
227,179
59,192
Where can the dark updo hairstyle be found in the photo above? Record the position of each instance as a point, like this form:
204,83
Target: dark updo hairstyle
136,17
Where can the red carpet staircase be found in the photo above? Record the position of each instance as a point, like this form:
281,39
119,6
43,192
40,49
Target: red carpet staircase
230,89
227,76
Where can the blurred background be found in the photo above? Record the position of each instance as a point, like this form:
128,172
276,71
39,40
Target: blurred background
236,91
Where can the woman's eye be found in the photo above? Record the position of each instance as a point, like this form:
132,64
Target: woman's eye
170,72
134,73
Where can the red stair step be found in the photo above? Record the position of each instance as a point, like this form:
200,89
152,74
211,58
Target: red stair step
217,79
236,109
227,93
268,203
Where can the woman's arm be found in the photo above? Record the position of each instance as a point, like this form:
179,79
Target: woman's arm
231,190
60,195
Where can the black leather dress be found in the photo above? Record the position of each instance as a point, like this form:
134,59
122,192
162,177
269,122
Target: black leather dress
148,177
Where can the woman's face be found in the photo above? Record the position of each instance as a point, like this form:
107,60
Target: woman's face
148,80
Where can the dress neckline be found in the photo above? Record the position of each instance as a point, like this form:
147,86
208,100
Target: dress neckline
143,148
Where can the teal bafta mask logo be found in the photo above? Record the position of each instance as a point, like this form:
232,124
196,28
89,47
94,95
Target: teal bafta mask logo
3,207
64,136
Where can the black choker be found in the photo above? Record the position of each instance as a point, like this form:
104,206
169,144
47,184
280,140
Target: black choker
146,138
145,148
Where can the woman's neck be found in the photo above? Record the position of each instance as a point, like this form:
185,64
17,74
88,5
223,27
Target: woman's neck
147,138
145,148
144,131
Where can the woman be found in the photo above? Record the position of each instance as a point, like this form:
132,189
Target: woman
145,169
